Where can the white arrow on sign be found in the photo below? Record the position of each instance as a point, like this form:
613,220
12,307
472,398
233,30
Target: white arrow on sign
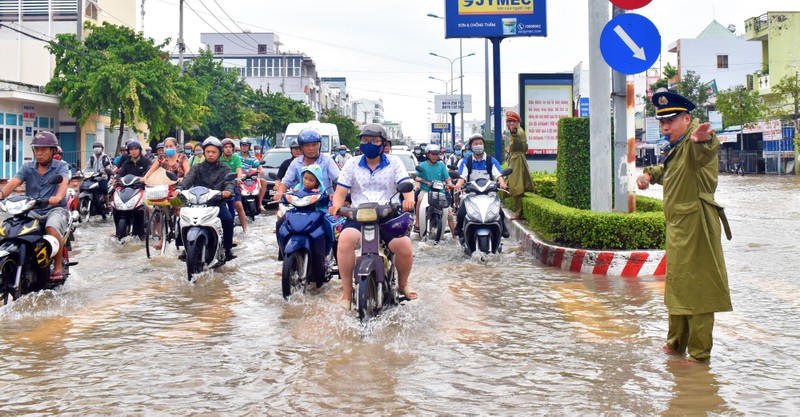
637,51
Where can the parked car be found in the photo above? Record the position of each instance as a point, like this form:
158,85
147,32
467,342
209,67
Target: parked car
271,161
409,161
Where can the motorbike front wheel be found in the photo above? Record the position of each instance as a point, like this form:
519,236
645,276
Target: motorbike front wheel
483,244
194,257
435,228
156,234
8,276
85,209
122,228
295,273
370,297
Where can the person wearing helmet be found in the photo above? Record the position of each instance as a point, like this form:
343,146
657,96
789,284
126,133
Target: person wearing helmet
197,157
100,162
310,141
387,148
159,149
478,165
419,154
295,150
249,160
342,156
449,158
59,153
458,151
372,178
38,176
138,165
431,170
211,174
187,149
233,161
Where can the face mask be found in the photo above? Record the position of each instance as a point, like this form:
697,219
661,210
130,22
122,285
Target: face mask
198,153
98,151
458,153
417,151
370,150
169,152
187,151
342,152
477,149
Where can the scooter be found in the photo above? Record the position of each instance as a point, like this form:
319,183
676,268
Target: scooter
91,201
27,251
306,240
201,229
129,207
482,225
250,188
433,210
375,278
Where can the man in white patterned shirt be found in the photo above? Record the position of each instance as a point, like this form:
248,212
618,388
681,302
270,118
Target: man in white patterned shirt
371,177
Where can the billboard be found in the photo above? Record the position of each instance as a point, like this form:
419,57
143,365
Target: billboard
495,18
452,103
544,99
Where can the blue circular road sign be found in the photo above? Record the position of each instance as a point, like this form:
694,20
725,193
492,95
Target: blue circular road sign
630,43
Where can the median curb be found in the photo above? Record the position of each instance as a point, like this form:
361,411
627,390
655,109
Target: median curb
609,263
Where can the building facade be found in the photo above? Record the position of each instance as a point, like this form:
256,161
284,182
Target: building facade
367,111
28,66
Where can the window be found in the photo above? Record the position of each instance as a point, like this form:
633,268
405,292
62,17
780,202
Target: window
255,67
262,49
293,67
218,50
722,61
274,67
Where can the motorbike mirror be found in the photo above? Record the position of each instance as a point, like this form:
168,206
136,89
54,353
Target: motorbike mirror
453,167
453,174
506,172
418,168
73,166
272,175
56,180
172,176
405,187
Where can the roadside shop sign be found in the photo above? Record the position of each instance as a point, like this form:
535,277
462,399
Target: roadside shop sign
495,18
630,43
28,112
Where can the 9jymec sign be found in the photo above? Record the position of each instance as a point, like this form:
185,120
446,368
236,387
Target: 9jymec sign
495,18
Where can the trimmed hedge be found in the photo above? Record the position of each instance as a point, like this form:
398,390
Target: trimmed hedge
544,184
574,174
586,229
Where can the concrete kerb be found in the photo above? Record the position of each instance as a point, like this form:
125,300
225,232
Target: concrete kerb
609,263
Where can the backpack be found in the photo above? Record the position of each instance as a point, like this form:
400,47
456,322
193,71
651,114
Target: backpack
489,163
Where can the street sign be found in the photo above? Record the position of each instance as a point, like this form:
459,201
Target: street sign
440,127
630,4
583,107
452,103
630,43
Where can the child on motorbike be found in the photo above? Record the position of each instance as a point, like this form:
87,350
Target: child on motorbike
312,183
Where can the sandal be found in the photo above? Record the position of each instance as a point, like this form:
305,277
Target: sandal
346,304
409,293
57,276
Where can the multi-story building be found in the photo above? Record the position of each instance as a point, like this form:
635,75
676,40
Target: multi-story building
394,129
259,61
343,107
368,111
717,55
28,66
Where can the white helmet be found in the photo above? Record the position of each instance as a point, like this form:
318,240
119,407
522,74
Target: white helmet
433,149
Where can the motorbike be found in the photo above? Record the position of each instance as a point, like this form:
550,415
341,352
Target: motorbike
306,245
129,207
375,278
738,168
433,210
27,252
250,187
482,228
91,201
201,229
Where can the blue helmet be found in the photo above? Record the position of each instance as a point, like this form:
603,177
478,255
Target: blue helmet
134,145
448,150
309,135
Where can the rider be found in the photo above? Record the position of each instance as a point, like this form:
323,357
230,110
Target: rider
171,160
372,177
187,149
235,163
159,150
100,162
478,165
36,175
294,148
449,158
137,165
432,170
198,155
419,154
342,156
59,153
249,160
211,174
310,141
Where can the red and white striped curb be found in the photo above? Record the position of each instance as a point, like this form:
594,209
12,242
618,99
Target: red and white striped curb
609,263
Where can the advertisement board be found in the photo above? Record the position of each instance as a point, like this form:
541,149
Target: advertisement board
544,99
452,103
495,18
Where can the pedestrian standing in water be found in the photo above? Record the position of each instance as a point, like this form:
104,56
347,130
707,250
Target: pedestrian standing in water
519,182
697,281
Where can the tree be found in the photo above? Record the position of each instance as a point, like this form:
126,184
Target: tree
225,103
663,82
739,106
787,92
121,72
279,109
348,132
692,88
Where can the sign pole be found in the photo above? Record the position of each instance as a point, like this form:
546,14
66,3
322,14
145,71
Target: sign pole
620,137
599,111
498,106
453,132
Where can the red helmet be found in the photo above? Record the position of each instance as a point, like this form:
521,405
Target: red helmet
44,139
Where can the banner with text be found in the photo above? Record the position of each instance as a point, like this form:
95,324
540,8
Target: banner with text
452,103
495,18
544,99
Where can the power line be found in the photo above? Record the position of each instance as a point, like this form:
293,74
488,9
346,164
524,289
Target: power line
227,28
212,27
237,25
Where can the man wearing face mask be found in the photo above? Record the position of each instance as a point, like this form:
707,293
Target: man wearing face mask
342,157
100,162
310,141
478,165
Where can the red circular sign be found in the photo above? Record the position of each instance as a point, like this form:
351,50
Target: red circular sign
630,4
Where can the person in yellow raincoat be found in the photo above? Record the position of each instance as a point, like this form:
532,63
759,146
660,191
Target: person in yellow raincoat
520,180
697,281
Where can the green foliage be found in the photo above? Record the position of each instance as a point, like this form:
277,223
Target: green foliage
787,92
544,184
669,71
695,90
594,230
279,109
574,175
225,100
122,73
739,106
648,204
348,132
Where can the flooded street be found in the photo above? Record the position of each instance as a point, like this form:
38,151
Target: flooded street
128,335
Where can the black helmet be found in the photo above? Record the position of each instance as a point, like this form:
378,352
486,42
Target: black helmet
44,139
212,141
294,144
134,145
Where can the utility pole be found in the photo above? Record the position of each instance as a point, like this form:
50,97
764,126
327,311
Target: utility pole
600,111
143,16
461,89
488,127
181,48
624,139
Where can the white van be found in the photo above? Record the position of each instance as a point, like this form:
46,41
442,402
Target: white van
329,132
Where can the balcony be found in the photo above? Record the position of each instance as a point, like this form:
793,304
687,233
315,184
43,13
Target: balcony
756,28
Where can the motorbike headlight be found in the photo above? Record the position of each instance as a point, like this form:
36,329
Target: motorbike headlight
208,218
301,202
472,210
494,209
366,215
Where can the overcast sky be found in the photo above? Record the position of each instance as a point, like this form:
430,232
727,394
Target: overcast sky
383,46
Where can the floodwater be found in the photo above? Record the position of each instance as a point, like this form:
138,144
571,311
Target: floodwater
131,336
